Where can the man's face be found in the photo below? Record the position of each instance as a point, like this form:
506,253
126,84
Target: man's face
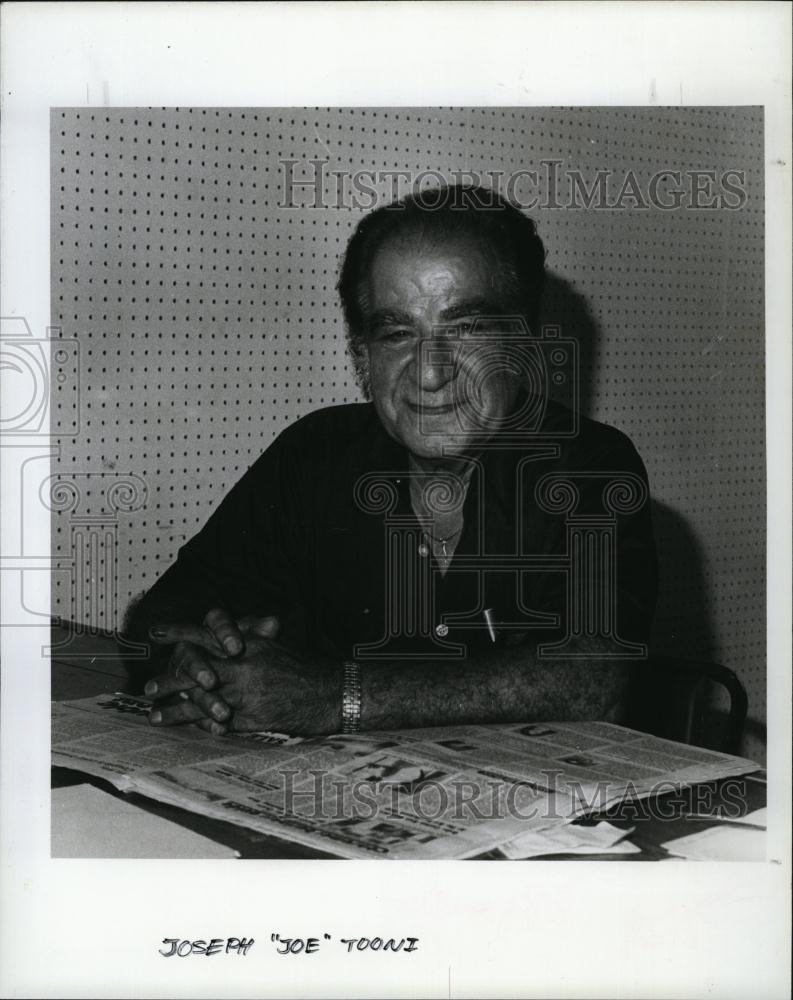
437,389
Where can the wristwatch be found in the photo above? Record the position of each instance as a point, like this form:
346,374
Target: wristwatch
351,698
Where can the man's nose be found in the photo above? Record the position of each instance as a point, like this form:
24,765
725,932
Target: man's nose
435,363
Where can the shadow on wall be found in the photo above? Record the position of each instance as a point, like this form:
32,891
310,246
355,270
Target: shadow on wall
683,623
684,618
562,306
683,629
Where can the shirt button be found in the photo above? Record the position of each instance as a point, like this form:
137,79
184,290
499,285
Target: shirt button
442,630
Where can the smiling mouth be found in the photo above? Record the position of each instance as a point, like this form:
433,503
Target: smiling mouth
431,410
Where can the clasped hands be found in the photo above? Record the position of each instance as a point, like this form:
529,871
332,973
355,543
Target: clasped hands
229,675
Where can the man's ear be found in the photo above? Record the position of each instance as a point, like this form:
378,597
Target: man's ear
359,354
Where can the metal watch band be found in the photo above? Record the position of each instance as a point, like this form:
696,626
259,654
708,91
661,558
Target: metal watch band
351,698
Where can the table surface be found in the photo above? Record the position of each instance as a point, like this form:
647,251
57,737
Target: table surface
87,663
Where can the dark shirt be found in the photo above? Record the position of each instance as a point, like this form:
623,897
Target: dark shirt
320,531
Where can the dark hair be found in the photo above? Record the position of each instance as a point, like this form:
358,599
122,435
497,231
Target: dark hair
446,212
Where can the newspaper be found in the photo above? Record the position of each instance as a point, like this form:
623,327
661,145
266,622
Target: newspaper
445,792
603,838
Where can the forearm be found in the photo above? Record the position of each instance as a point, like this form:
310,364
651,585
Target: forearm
506,685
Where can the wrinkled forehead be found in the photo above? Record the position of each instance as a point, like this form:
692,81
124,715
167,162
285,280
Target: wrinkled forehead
427,271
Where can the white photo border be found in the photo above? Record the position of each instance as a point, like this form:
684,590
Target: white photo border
92,928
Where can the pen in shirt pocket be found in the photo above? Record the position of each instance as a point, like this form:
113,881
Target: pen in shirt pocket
490,621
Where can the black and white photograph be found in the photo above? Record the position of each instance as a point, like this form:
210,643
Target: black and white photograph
398,481
404,418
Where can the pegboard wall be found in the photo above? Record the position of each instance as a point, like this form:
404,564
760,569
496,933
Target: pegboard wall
207,320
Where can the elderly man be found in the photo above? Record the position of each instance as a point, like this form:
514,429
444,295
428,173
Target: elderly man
408,561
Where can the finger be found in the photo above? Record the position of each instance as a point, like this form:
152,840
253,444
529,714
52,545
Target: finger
174,715
240,724
226,671
224,628
216,728
188,666
265,628
194,663
210,703
168,684
199,635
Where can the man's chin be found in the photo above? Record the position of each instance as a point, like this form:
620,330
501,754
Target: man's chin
430,446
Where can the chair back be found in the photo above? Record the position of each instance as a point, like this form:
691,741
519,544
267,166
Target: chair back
673,698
